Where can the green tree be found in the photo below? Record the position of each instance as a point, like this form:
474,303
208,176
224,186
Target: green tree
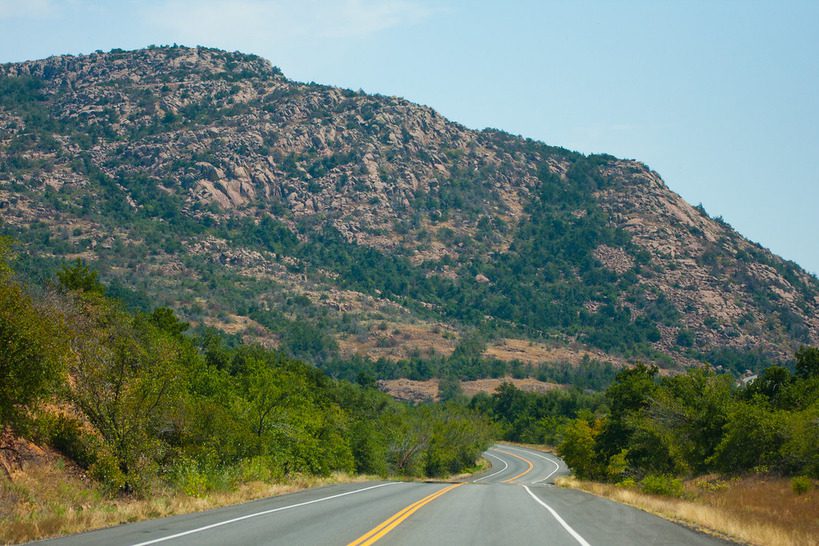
79,276
752,438
629,394
578,448
32,345
166,320
807,362
127,375
689,411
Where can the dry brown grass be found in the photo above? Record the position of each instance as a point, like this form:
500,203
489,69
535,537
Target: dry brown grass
399,339
46,499
527,384
410,390
760,511
419,391
531,352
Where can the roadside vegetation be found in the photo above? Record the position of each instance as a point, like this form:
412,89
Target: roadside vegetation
738,461
762,510
142,409
741,461
655,430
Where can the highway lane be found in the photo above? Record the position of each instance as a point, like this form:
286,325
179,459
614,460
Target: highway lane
514,502
517,503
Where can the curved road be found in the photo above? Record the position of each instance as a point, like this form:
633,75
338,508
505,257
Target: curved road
514,502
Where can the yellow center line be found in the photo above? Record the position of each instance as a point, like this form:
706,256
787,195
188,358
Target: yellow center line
380,531
527,461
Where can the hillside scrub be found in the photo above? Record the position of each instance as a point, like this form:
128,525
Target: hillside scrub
191,184
139,404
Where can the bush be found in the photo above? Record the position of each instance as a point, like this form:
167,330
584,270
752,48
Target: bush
197,478
187,477
260,469
69,439
662,484
801,484
105,470
628,483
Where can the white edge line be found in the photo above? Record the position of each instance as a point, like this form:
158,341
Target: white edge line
565,525
256,514
506,465
531,452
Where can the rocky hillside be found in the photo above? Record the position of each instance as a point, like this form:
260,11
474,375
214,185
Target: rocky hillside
340,223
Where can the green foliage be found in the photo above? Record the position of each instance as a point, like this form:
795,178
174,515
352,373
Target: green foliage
534,417
165,319
79,276
107,471
698,422
32,347
632,389
662,484
801,484
577,448
736,360
807,362
153,403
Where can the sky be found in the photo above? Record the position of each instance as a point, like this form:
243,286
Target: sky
720,97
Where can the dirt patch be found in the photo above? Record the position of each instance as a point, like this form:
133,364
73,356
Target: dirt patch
410,390
422,391
399,340
233,324
471,388
531,352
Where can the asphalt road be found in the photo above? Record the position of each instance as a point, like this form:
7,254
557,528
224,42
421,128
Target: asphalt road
512,503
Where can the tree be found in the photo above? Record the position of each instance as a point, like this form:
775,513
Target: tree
631,389
32,346
80,277
693,407
629,394
127,377
165,319
578,448
753,436
772,383
807,362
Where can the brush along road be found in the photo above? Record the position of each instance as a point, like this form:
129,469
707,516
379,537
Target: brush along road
514,502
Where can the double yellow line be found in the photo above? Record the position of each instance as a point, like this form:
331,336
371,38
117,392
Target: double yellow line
394,521
527,461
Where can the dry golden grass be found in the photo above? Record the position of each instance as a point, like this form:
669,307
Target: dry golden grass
399,340
47,499
755,510
527,384
410,389
508,349
418,391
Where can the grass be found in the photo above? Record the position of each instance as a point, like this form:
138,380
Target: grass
49,496
47,499
757,510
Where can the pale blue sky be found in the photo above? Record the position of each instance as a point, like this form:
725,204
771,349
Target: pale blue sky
721,98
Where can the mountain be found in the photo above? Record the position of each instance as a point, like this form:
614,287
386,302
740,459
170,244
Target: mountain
334,222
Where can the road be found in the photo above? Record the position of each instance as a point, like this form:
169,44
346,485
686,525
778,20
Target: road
514,502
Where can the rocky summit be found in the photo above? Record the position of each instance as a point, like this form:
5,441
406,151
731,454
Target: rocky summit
337,224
